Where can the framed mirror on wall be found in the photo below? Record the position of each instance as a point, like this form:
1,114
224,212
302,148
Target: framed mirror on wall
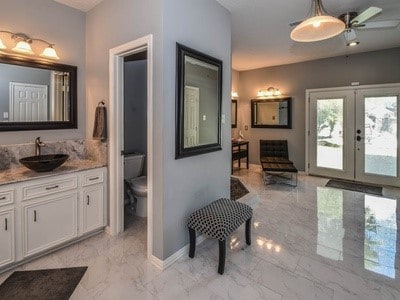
198,103
271,113
36,95
234,113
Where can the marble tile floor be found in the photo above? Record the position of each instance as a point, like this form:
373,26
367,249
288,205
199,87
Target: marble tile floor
308,242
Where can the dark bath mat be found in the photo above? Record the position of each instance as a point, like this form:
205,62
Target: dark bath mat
42,284
238,190
354,186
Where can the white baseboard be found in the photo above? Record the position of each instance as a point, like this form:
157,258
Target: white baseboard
164,264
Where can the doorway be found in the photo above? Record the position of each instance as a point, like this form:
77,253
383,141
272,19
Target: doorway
353,133
116,136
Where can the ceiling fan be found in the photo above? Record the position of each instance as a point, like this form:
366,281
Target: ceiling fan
353,21
322,26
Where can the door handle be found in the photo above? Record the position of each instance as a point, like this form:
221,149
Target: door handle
34,216
88,200
6,224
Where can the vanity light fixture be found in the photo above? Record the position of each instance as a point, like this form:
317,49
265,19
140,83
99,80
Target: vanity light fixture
320,26
234,94
23,45
269,92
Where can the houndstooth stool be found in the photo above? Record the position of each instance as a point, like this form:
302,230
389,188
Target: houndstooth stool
218,220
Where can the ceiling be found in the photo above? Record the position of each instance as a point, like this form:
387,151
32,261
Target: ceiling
261,31
83,5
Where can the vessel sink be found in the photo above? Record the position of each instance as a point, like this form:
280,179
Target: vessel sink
44,163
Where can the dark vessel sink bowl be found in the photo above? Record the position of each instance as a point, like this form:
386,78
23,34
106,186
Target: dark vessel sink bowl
44,163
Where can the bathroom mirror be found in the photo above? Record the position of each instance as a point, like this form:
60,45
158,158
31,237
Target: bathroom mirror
198,103
234,113
37,95
271,113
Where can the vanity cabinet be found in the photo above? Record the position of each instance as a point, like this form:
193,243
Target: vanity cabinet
49,223
43,214
7,239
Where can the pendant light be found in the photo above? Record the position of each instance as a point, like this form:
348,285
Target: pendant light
320,26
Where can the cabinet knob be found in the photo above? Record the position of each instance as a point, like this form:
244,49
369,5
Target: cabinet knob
6,224
88,200
3,198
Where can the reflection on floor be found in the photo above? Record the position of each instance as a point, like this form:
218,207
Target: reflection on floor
309,242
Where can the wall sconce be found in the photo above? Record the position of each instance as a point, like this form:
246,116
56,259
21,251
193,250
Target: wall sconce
23,45
234,94
269,92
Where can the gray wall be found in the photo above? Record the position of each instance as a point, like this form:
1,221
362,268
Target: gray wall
110,24
135,107
12,73
191,183
59,24
367,68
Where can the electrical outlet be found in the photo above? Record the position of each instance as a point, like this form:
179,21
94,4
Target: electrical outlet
5,115
204,117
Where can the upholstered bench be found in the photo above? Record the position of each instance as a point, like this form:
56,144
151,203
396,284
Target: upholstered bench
218,220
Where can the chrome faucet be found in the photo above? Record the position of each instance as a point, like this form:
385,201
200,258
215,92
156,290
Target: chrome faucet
38,146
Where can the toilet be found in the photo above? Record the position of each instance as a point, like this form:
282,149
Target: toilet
136,183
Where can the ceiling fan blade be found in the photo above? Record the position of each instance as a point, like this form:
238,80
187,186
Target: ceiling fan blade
366,15
379,24
295,23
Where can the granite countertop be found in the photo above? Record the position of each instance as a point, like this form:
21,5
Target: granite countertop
22,173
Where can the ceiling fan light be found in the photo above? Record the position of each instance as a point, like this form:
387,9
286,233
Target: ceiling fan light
23,47
307,31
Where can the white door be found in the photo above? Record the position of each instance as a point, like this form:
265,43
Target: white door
377,135
331,134
191,120
354,133
7,253
28,102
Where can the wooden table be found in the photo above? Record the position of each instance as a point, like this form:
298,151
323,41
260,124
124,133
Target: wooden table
240,149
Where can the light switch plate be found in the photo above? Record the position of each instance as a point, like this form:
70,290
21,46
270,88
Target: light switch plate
223,119
5,115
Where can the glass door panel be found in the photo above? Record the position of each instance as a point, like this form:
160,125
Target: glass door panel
331,141
377,136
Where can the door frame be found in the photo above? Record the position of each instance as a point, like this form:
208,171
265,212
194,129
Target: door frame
116,136
307,113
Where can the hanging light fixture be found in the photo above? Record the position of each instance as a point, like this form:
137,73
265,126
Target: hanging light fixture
23,45
320,26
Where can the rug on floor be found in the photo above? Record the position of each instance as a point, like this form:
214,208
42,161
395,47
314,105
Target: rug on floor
238,190
42,284
355,186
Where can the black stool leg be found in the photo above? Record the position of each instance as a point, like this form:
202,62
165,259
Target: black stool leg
222,255
192,238
248,231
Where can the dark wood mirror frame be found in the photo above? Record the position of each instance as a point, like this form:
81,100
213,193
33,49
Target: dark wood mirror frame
235,104
182,52
72,123
254,103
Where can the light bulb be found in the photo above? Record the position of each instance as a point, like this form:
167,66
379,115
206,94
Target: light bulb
23,47
50,52
2,46
316,24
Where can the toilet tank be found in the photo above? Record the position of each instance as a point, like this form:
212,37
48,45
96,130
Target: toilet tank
133,165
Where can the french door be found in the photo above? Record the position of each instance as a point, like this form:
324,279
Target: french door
353,133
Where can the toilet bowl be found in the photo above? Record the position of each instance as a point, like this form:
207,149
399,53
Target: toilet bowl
133,169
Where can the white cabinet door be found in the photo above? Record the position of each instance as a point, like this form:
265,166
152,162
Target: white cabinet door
93,208
49,223
7,251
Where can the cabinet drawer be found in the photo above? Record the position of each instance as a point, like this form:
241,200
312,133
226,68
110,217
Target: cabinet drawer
6,196
92,177
49,187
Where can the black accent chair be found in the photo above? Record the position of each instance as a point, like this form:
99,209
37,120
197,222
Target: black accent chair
274,158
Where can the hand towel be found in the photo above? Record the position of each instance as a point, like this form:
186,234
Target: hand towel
100,124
